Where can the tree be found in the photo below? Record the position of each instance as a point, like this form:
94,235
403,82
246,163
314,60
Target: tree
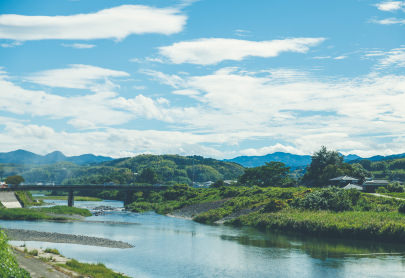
147,175
14,180
271,174
326,165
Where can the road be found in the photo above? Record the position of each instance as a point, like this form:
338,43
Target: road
37,268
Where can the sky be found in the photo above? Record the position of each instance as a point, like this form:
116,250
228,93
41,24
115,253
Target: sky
213,78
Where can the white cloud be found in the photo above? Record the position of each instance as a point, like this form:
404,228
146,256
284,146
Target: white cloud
388,59
340,57
172,80
214,50
79,45
390,21
11,44
77,77
295,108
116,23
390,6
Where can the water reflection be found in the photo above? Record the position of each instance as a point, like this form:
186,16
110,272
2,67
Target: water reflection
319,248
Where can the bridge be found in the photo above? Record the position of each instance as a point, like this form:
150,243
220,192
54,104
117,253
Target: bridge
71,188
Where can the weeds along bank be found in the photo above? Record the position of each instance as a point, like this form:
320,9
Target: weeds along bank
8,264
330,212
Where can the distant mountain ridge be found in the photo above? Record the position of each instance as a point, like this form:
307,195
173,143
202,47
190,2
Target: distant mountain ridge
26,157
299,161
291,160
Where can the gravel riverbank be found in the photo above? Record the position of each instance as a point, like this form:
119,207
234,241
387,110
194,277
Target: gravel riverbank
30,235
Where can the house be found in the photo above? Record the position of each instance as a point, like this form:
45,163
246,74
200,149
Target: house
343,181
372,185
353,186
3,184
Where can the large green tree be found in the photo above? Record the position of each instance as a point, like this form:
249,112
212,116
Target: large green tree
271,174
14,180
326,165
147,175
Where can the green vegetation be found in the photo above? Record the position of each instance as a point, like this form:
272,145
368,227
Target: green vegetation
326,165
92,270
272,173
384,226
52,251
52,213
66,210
389,169
8,264
14,180
77,198
33,252
25,198
331,212
158,169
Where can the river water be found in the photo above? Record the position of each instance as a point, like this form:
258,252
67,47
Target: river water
173,247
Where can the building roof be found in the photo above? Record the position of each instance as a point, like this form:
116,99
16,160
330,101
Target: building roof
344,178
353,186
376,182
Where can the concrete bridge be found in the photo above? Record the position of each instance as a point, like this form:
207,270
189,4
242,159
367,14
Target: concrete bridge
71,188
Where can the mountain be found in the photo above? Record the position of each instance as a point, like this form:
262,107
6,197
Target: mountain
26,157
299,161
291,160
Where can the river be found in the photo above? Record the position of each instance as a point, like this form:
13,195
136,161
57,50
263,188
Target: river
173,247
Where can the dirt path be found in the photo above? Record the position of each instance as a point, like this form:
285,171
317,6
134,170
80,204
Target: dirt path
386,196
37,268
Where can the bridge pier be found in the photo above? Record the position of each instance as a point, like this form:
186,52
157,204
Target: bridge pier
70,198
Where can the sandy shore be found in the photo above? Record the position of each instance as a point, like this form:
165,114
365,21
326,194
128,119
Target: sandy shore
30,235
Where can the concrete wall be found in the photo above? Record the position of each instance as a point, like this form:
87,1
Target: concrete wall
9,200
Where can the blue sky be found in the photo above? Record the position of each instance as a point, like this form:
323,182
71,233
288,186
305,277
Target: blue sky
213,78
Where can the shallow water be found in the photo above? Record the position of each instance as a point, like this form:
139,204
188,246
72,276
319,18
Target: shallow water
172,247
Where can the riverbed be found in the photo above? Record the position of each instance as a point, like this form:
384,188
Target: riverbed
174,247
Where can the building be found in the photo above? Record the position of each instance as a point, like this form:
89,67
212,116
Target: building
372,185
353,186
343,181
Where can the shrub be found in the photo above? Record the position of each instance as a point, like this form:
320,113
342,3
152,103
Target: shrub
332,198
395,187
8,264
33,252
401,208
52,251
381,190
274,205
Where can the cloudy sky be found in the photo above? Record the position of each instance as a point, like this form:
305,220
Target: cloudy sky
213,78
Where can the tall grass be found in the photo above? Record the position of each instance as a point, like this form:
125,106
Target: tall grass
92,270
8,264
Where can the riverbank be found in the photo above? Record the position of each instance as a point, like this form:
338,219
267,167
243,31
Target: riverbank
327,212
50,263
30,235
56,213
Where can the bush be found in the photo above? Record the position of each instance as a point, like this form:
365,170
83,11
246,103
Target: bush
332,198
8,264
381,190
33,252
395,187
401,208
52,251
274,205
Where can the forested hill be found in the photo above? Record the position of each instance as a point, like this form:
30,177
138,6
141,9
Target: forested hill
138,169
182,169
